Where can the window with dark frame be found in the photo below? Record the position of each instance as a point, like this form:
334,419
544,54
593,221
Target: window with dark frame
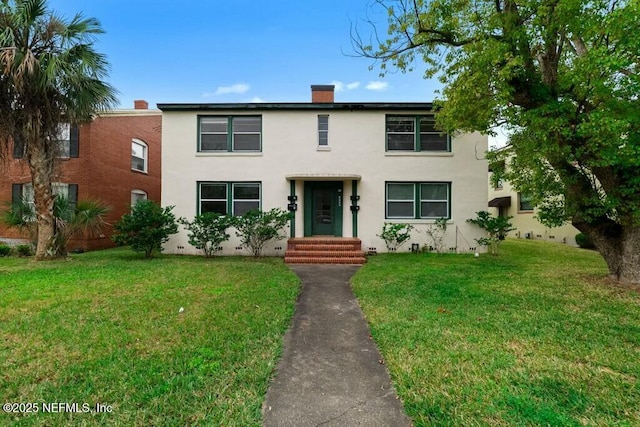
524,203
230,134
418,200
229,198
415,133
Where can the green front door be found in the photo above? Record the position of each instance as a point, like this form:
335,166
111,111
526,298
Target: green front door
323,209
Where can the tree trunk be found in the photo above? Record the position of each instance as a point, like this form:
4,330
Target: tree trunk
619,246
41,171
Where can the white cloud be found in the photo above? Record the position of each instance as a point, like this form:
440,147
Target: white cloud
256,99
377,85
235,88
342,86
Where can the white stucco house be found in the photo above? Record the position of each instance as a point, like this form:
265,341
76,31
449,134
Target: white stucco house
343,169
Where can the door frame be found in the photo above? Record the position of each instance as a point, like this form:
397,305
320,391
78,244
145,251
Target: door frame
338,199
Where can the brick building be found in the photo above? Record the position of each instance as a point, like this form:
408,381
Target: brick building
114,159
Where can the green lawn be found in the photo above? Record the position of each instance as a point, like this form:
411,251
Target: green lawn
104,327
535,336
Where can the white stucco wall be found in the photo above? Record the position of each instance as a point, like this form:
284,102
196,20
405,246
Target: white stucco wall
356,147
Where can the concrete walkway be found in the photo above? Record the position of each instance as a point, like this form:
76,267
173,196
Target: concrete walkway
330,372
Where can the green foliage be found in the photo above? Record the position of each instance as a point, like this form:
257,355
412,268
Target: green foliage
146,228
50,74
24,250
5,250
207,231
561,78
436,233
584,242
86,217
395,235
497,228
256,228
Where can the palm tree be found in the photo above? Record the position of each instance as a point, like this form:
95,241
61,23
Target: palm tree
50,74
86,217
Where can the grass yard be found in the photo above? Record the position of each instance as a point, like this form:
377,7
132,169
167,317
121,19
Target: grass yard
535,336
105,328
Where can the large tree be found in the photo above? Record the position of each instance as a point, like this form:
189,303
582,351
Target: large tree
563,77
50,74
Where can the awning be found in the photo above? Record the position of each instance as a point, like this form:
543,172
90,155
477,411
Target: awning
500,202
323,177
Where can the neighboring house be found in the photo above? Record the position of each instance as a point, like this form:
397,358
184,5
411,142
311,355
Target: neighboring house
114,159
506,201
343,169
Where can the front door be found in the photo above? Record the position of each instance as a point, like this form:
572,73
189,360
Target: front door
323,209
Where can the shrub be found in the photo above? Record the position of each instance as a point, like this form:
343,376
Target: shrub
146,228
255,228
584,241
497,228
5,250
436,233
24,250
207,231
395,235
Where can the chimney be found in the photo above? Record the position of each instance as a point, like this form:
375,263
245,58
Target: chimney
322,93
140,104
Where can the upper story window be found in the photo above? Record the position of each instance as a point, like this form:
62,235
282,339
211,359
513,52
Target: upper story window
323,130
230,134
418,200
66,137
415,133
139,155
229,198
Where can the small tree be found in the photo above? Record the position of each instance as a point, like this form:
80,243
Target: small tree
146,228
255,228
207,231
436,233
70,219
496,227
395,235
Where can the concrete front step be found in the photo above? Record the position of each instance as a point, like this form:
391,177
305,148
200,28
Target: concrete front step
324,250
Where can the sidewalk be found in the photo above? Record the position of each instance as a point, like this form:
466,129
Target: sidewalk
330,372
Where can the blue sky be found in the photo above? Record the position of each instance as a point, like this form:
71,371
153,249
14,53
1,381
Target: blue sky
241,50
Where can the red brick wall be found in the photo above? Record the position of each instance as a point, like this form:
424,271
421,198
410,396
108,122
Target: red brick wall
103,168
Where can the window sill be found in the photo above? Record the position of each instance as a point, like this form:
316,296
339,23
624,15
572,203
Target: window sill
230,154
323,148
418,154
139,171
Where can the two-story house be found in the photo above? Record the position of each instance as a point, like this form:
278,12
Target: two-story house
343,169
114,159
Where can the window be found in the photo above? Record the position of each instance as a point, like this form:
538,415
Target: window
230,134
24,192
139,153
323,131
66,137
229,198
418,200
402,134
524,202
138,195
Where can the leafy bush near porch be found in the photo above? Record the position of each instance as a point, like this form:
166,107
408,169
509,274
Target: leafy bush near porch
256,228
395,235
5,250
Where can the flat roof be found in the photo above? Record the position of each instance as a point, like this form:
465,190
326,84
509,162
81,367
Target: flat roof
262,106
